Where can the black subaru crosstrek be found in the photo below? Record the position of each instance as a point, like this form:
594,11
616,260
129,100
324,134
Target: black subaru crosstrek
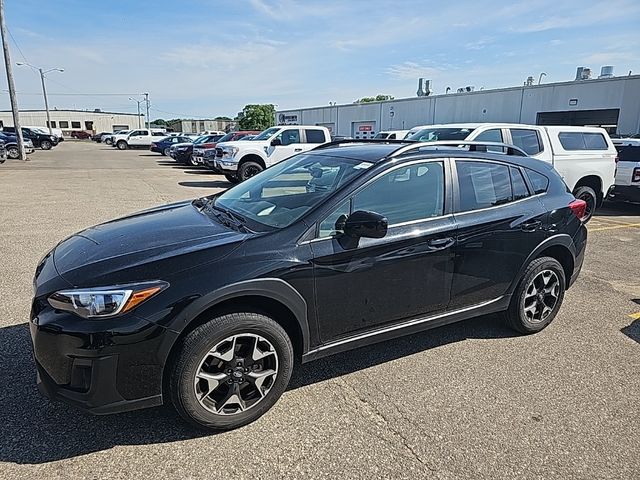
207,303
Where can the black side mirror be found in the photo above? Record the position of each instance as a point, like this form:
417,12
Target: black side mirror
366,224
275,142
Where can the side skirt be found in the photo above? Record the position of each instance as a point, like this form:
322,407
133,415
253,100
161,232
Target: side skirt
405,328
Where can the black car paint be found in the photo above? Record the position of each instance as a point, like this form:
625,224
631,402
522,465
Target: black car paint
208,265
35,137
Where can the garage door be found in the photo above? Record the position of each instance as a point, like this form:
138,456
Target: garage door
363,130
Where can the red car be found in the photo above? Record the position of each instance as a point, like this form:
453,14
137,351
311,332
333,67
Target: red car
80,134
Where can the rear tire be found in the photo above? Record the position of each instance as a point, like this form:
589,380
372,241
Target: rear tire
13,153
248,169
122,145
231,178
587,194
231,370
46,145
538,297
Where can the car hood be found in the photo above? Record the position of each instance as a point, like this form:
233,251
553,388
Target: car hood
244,143
152,243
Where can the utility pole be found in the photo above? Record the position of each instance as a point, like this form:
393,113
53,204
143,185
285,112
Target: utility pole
138,102
12,88
146,99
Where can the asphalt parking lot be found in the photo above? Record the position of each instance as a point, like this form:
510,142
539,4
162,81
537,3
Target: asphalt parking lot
471,400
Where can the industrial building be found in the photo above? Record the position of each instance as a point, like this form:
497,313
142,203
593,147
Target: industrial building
91,121
607,101
197,126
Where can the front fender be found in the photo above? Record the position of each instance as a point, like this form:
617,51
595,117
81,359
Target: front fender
271,288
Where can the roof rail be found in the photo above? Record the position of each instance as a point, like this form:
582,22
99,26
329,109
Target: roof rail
357,140
473,147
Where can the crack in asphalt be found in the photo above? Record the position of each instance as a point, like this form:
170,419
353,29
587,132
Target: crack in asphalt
342,384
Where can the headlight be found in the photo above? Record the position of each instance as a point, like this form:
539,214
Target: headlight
102,302
53,138
229,152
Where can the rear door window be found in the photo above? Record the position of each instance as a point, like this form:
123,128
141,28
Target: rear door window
315,136
493,135
518,185
528,140
483,185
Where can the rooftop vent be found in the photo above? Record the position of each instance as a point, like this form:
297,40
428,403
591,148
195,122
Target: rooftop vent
606,71
583,73
424,88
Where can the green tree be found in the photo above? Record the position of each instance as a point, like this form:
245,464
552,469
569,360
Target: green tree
257,117
159,121
377,98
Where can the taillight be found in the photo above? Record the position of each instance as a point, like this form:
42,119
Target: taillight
636,175
579,208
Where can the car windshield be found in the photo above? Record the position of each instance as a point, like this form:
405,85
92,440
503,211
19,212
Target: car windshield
267,133
435,134
381,136
282,194
201,139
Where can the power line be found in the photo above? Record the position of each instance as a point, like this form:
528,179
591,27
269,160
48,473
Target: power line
18,47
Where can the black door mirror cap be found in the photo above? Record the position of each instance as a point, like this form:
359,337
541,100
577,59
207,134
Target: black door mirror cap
363,224
276,142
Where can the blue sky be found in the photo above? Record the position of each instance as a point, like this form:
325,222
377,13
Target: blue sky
207,58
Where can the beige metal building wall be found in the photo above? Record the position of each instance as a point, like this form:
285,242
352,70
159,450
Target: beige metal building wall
70,120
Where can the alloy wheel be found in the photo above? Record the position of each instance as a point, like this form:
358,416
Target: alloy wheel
541,296
236,374
250,171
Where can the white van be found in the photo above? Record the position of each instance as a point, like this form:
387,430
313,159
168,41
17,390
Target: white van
584,156
391,135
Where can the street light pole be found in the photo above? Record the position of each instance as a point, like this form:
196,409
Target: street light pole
44,88
138,102
146,99
12,88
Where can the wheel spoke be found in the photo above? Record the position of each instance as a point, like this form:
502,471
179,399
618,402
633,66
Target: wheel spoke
213,381
229,354
232,397
258,379
258,354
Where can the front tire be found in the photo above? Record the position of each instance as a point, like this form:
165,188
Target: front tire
192,161
248,169
165,152
122,145
46,145
13,153
538,297
231,370
231,178
587,194
108,141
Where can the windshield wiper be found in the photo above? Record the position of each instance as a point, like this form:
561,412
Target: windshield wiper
229,218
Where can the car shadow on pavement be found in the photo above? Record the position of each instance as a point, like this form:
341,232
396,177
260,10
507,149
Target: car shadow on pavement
632,330
618,209
211,184
37,431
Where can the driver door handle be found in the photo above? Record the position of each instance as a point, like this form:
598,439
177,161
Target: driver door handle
440,243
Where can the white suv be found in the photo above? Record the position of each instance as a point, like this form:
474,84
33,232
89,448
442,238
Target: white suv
585,157
243,159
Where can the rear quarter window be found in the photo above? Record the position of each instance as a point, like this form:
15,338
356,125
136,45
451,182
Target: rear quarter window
539,182
315,136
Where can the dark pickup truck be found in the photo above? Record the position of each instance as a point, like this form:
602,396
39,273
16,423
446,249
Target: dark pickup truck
39,140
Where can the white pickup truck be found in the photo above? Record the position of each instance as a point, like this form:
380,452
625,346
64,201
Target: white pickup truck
243,159
627,186
141,138
585,157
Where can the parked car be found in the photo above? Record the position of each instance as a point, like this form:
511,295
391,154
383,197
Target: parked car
182,152
163,145
584,156
80,134
330,250
206,154
199,148
98,137
141,138
627,182
391,135
45,130
11,145
243,159
39,140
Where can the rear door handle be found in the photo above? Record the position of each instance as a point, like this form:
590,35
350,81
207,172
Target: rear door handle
440,243
531,226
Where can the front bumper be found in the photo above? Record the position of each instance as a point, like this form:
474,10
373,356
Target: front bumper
100,366
629,193
210,163
226,165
